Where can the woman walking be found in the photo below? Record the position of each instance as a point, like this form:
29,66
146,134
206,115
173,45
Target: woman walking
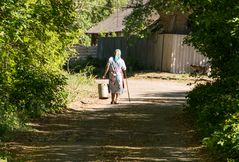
116,68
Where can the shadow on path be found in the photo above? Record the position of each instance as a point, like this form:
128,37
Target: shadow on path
152,130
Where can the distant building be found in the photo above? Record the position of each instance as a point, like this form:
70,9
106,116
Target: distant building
163,51
112,24
166,24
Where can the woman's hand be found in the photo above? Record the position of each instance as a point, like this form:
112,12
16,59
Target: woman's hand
124,73
106,70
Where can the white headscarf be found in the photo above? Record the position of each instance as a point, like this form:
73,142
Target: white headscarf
117,54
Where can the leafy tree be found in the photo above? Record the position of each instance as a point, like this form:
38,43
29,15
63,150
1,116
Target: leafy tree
92,12
33,38
215,33
214,26
138,22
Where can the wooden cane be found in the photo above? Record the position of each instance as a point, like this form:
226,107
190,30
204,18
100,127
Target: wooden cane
127,85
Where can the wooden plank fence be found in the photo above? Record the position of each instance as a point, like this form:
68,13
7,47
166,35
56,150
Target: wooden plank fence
85,51
162,52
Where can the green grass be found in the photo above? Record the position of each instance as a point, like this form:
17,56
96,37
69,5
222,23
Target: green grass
80,86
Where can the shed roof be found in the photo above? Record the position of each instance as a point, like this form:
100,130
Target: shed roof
114,23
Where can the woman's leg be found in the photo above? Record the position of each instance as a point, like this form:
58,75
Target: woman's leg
117,97
113,95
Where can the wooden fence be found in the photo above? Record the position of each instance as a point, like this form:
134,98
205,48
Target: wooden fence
85,51
163,52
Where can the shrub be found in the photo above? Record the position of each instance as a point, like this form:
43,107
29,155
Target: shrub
33,38
77,65
211,103
9,119
215,107
38,92
226,139
80,85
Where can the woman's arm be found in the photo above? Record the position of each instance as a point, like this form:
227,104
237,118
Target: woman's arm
106,70
124,68
124,73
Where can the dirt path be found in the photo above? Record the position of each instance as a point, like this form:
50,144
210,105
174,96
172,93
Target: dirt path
150,128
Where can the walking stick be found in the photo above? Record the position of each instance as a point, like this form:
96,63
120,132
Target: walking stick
127,85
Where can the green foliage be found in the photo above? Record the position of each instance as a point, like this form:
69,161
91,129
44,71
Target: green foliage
94,66
92,12
211,103
215,34
38,91
4,156
214,23
226,139
9,120
215,108
138,23
133,65
33,38
81,85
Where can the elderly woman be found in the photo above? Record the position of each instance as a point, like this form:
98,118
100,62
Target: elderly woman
116,68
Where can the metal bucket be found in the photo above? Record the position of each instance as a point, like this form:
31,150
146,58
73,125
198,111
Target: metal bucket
103,91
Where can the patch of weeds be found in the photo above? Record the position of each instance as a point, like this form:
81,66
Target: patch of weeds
77,65
81,85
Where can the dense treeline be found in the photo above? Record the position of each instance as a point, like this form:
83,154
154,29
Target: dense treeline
215,33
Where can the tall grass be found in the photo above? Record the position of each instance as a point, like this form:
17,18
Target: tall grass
81,85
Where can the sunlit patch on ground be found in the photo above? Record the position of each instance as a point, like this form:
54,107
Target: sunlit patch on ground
152,127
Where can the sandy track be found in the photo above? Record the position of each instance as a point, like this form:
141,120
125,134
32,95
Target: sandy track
152,127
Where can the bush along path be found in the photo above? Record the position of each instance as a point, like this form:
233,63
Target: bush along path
152,127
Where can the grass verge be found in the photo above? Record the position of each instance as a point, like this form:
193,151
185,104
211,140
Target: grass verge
80,86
